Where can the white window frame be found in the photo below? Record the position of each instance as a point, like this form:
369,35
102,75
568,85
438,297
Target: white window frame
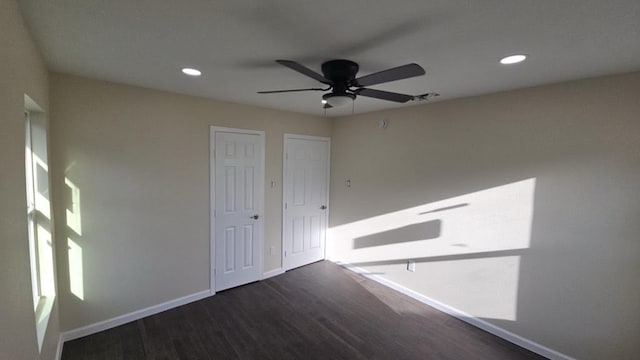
43,299
31,212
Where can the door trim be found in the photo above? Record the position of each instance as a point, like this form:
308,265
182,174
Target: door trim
286,137
212,197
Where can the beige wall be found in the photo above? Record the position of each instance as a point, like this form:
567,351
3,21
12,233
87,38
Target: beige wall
519,208
22,72
140,161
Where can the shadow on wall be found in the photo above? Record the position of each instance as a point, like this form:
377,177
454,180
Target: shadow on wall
415,232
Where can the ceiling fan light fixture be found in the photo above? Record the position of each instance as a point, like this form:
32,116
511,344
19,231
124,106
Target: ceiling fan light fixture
337,100
513,59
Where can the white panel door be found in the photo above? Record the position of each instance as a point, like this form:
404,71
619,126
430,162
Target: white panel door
306,185
238,197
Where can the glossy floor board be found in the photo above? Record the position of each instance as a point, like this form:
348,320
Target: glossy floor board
319,311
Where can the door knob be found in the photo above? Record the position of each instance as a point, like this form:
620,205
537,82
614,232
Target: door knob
323,207
255,217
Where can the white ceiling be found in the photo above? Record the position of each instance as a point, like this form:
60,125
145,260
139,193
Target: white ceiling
235,43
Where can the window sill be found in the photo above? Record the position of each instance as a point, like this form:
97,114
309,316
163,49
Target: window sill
43,312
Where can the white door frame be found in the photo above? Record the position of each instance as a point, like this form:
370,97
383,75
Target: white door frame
212,197
288,136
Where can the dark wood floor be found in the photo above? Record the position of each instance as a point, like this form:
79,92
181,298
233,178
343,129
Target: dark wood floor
320,311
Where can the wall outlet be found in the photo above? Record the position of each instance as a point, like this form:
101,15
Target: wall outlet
411,266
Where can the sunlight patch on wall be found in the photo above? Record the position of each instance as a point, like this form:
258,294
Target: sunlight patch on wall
485,287
74,225
73,208
467,249
494,219
76,276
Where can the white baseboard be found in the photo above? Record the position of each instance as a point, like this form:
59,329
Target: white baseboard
272,273
132,316
484,325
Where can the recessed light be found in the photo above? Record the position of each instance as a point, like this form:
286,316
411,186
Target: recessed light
513,59
191,72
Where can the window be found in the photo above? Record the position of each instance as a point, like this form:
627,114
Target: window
39,216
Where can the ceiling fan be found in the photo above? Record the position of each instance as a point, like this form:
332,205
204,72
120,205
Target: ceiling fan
340,77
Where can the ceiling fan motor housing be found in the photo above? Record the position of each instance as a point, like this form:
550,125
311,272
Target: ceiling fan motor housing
341,73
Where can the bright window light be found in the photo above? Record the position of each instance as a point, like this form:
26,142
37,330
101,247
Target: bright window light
38,216
512,59
191,71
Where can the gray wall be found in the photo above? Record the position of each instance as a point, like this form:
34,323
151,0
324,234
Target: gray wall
519,208
22,72
139,160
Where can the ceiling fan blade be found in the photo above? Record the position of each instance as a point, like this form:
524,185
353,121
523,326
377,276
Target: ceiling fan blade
397,73
384,95
293,90
304,70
